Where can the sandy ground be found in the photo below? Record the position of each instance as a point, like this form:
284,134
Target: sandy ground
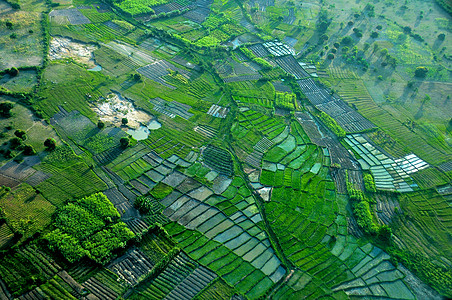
114,107
61,48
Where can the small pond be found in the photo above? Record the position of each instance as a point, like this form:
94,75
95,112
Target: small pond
143,132
97,68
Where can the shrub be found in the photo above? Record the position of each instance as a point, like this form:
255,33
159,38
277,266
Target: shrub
330,56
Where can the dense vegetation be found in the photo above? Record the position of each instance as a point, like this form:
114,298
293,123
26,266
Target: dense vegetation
88,227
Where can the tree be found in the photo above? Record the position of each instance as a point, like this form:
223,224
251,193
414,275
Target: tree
28,150
385,234
9,25
124,121
13,72
5,109
347,40
421,72
137,77
426,99
21,134
441,36
100,124
374,35
407,29
15,143
50,144
330,56
124,141
379,27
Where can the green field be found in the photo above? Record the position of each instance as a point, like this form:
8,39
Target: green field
179,149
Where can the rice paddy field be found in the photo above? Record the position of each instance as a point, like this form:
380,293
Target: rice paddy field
220,149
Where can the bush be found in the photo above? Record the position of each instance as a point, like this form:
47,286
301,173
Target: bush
374,35
330,56
13,36
441,36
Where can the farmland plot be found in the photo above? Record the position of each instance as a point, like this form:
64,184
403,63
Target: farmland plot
131,266
73,15
218,111
305,211
27,48
160,68
291,66
227,222
346,117
183,278
171,109
278,48
389,173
